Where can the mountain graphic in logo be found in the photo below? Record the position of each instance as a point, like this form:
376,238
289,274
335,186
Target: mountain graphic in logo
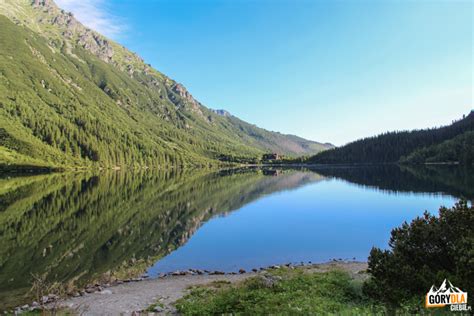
444,289
446,294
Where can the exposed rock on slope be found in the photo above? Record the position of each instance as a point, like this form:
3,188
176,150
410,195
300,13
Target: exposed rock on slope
70,96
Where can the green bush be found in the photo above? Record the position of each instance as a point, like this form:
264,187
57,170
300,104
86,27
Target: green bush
423,253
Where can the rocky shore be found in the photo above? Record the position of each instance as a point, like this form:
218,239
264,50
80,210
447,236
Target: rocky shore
157,295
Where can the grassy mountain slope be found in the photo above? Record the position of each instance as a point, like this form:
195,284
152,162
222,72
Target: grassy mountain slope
272,141
69,96
396,146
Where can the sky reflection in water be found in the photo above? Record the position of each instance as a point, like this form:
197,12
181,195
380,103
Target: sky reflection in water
323,220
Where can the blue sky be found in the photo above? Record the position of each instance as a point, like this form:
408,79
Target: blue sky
331,71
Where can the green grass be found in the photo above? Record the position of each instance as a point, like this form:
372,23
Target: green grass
11,157
293,292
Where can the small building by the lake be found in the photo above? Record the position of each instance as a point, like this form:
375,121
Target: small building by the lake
272,156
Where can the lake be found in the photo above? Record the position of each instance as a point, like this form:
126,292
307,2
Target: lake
78,228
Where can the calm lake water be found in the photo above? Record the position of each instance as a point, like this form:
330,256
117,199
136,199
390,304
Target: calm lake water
82,228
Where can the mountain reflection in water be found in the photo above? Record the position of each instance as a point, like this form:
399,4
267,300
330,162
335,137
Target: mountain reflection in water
79,228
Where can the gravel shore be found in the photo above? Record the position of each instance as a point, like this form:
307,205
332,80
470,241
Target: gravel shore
131,298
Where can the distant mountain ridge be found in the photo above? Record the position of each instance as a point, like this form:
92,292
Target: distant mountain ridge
70,96
448,144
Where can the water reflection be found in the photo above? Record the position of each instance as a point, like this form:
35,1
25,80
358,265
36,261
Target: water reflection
80,227
457,181
76,228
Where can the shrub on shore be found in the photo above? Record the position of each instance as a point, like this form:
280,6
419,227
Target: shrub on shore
421,254
424,252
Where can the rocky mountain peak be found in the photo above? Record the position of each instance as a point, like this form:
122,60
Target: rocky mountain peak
73,30
221,112
188,99
182,92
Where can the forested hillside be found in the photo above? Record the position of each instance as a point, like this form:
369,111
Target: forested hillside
70,97
453,143
459,149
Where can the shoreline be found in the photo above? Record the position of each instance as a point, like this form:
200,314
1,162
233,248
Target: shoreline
19,170
133,296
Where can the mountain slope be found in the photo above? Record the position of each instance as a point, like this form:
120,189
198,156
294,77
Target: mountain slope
270,141
69,96
459,149
418,145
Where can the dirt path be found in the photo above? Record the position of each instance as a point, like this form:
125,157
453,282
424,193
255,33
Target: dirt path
128,298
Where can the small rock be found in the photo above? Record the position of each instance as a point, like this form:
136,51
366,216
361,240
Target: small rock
199,272
242,271
254,270
275,267
270,280
26,306
90,290
216,272
34,304
158,309
106,292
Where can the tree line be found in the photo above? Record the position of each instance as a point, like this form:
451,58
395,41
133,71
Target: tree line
397,146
